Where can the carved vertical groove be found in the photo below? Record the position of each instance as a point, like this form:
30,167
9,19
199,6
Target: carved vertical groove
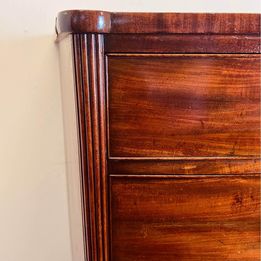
90,85
103,140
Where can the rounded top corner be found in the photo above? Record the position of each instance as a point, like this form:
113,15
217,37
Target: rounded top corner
83,21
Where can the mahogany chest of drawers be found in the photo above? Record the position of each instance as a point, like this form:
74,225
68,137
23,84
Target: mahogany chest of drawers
162,126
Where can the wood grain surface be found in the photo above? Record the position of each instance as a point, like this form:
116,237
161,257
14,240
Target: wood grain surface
91,117
185,43
185,219
183,105
186,166
168,114
87,21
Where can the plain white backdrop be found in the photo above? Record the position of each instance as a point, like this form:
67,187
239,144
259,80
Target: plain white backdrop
34,223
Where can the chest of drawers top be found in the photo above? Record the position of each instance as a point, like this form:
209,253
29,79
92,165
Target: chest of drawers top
83,21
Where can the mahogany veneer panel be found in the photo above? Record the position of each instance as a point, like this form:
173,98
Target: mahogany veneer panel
185,219
184,105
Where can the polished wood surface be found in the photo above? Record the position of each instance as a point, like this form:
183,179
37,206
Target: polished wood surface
168,128
89,83
185,43
188,166
86,21
184,105
185,219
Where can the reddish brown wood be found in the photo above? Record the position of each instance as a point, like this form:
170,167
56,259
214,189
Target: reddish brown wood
103,143
169,134
90,87
185,23
84,21
185,219
184,105
185,43
189,167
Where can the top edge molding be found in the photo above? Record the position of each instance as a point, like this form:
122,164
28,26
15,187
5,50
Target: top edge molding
85,21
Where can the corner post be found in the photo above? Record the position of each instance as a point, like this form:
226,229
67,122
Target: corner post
91,105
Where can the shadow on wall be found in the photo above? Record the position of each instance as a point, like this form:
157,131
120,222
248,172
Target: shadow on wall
33,196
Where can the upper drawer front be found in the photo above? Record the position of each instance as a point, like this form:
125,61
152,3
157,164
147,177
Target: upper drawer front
183,105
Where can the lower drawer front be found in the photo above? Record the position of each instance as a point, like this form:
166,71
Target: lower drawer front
201,218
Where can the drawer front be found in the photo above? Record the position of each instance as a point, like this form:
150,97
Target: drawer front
183,105
185,218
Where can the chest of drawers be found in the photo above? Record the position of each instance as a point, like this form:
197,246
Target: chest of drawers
162,126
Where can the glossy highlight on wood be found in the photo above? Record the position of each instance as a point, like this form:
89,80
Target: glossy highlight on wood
167,118
184,105
91,117
185,219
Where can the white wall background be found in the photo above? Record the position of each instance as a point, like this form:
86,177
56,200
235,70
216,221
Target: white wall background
33,194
